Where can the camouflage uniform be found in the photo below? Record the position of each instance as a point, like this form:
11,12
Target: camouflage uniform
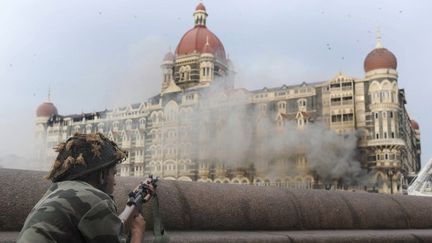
73,211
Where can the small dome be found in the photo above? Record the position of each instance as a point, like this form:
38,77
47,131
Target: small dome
415,125
200,6
169,57
380,58
46,109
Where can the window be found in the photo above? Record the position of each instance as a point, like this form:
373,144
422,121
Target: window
348,117
336,118
282,105
262,108
301,104
88,128
100,127
391,114
115,126
184,72
129,124
142,123
376,115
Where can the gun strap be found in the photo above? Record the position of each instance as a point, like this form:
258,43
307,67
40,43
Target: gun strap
159,231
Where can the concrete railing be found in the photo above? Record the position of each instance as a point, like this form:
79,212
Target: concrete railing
202,212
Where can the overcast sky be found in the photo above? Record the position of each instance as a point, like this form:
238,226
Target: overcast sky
99,54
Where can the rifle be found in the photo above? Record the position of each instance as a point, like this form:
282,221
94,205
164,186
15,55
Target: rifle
142,194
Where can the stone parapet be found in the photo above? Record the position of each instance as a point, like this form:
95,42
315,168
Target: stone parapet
200,207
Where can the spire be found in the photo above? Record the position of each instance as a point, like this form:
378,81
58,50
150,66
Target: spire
200,15
378,39
49,93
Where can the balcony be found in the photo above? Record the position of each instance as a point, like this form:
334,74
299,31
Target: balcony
386,142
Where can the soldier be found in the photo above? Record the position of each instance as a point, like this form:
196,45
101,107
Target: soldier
78,207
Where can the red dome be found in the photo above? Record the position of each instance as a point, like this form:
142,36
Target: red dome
200,6
47,109
415,125
169,57
195,39
380,58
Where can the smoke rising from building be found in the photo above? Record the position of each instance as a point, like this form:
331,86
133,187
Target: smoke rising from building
238,135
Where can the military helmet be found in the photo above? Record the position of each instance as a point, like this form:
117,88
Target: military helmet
84,153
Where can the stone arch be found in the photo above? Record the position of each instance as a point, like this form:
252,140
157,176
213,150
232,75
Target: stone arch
374,86
110,135
137,135
308,181
171,109
380,183
258,181
244,181
386,84
184,178
298,180
154,117
124,135
374,92
169,165
289,182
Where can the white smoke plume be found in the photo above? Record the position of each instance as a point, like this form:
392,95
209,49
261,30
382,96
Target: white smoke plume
233,133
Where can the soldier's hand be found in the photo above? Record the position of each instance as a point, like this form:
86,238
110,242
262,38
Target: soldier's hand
137,228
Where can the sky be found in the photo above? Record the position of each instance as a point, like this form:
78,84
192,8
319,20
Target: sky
100,54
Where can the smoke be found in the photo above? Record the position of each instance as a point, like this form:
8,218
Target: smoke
142,77
236,133
13,161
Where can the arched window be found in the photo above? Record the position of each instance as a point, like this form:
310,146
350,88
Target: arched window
142,122
115,126
101,127
129,124
302,103
282,106
88,128
206,71
258,182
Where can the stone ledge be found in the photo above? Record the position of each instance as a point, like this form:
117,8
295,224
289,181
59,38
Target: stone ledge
330,236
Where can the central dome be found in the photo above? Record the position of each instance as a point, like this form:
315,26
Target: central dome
196,38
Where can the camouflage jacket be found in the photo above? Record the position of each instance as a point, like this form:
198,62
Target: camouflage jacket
73,211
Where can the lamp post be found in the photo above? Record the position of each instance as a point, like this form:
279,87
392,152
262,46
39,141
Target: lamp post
390,174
